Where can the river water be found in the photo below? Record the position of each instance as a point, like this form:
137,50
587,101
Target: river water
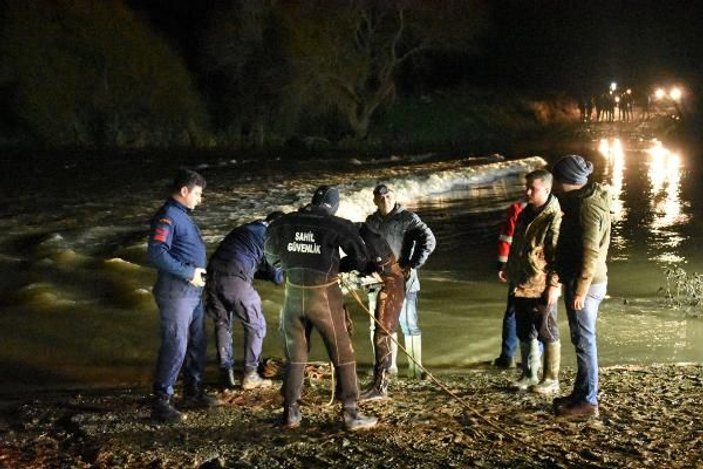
76,308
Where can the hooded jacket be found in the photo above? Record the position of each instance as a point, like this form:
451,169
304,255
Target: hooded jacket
585,236
532,253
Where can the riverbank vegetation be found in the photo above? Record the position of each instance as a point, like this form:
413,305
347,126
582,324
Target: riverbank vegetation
256,75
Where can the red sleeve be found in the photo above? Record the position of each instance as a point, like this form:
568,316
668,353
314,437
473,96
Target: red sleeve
505,238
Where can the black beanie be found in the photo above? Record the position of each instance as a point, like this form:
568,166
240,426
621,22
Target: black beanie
572,169
326,197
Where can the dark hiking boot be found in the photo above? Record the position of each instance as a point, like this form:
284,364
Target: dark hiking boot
504,362
355,421
577,410
559,402
252,380
163,412
291,416
197,398
227,378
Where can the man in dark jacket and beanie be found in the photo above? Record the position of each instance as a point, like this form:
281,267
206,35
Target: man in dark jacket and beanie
306,244
232,268
581,255
177,250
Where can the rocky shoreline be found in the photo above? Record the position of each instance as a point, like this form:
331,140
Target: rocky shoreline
650,417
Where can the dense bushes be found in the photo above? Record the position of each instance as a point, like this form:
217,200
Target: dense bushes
90,73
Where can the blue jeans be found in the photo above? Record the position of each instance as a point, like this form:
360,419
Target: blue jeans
509,341
582,326
408,315
183,343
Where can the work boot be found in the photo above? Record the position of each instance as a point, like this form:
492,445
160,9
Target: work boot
195,397
252,380
413,343
291,416
504,362
529,351
378,389
577,410
162,411
227,378
552,360
559,402
354,421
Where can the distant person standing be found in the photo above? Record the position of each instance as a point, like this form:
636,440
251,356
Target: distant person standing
177,250
535,285
306,245
230,291
509,341
412,242
581,255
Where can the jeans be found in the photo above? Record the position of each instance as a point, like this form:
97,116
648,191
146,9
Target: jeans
508,345
408,315
183,343
232,295
582,326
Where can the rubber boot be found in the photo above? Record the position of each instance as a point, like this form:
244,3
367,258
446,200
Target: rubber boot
552,361
354,420
414,345
529,351
252,380
393,369
379,387
227,378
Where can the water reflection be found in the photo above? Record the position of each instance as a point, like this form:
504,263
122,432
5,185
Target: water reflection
665,199
662,190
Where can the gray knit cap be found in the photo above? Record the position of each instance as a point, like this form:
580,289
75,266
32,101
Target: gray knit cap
572,169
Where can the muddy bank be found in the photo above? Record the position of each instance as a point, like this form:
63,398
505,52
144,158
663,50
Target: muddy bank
650,417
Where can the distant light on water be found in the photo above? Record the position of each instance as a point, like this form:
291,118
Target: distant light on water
665,194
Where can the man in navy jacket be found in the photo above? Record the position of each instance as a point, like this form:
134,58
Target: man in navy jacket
177,250
232,268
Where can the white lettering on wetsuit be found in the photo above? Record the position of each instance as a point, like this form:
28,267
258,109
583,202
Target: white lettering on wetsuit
304,243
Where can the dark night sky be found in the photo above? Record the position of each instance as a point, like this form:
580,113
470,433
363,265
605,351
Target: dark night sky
564,45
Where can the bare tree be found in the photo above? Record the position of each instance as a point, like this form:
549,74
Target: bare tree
347,54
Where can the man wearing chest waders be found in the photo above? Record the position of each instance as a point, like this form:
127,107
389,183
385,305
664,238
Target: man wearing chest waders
386,310
306,244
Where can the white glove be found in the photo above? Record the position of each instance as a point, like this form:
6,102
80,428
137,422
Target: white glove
198,279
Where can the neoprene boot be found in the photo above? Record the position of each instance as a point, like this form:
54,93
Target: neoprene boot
379,387
354,420
413,343
552,361
291,416
529,351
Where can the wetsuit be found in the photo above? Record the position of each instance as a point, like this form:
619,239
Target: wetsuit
306,245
